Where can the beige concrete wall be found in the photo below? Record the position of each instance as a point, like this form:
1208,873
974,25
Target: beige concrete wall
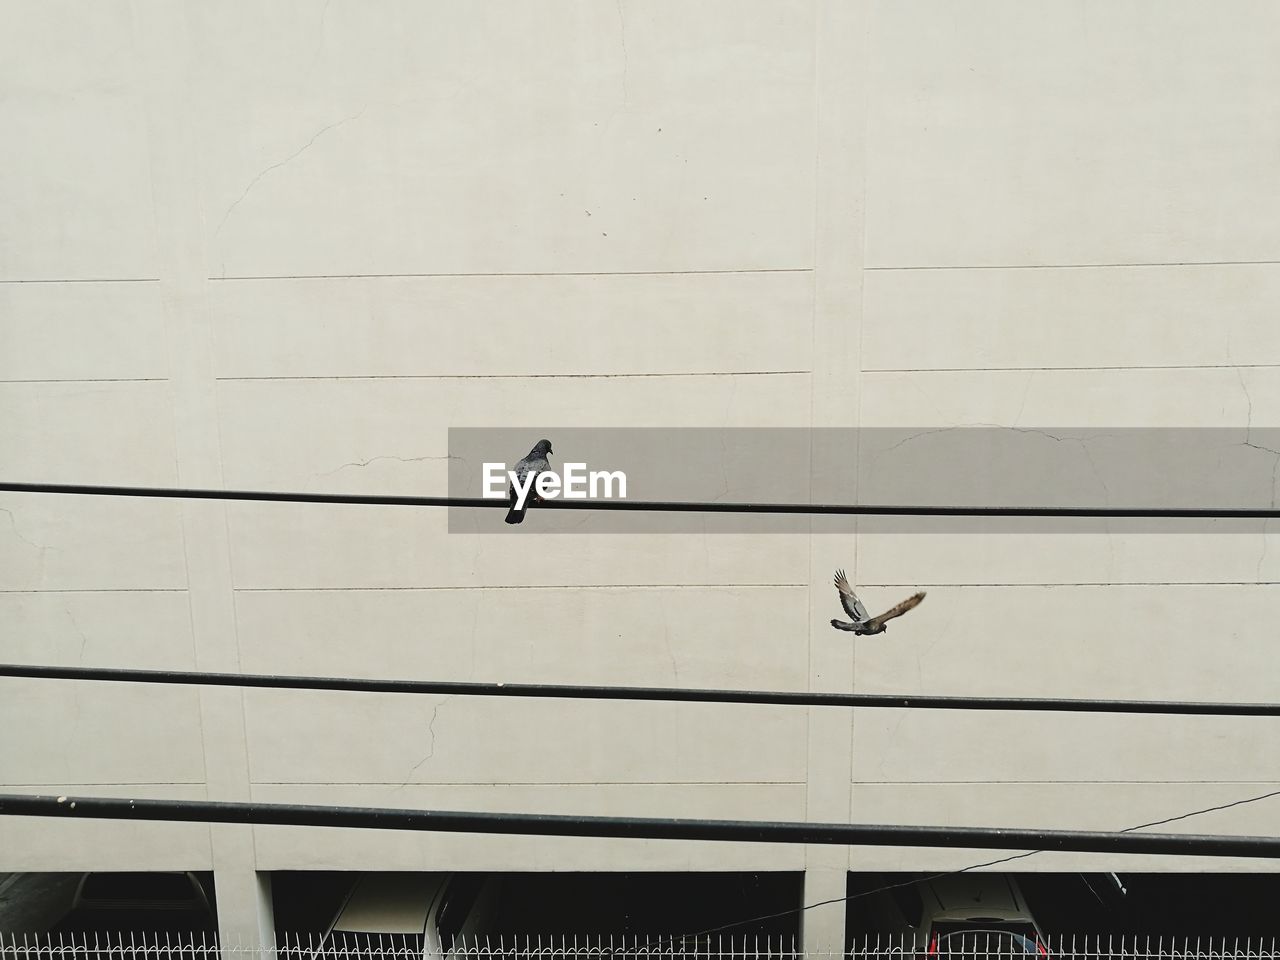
1063,227
290,247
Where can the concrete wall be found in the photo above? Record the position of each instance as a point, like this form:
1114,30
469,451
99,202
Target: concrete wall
289,245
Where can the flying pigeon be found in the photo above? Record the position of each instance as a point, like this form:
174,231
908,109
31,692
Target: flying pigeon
863,624
533,464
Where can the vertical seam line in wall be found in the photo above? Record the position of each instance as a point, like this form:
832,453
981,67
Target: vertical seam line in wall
858,407
813,364
212,345
142,65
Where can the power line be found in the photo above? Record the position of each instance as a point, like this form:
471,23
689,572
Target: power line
662,694
654,506
1196,813
650,828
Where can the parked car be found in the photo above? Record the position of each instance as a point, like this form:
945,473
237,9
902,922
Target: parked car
968,915
142,901
427,915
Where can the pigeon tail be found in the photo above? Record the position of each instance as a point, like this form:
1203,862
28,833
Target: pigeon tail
514,514
844,625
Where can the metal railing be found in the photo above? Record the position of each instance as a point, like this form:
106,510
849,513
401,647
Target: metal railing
205,946
547,947
1005,946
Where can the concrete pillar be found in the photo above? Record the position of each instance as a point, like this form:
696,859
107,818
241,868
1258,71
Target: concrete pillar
822,928
245,913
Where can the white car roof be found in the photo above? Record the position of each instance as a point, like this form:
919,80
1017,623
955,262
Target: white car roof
390,903
977,895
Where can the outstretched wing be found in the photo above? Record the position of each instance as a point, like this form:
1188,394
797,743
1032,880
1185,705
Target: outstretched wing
910,603
852,605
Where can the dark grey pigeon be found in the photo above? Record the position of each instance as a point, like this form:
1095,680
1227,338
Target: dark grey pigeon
863,624
533,464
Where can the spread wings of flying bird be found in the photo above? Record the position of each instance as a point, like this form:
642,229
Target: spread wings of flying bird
860,622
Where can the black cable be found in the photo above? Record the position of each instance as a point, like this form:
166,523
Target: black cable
664,694
654,506
648,828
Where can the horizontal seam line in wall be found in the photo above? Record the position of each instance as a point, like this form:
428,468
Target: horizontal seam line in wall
87,280
758,586
522,376
1152,366
1153,783
535,586
632,783
650,586
110,783
96,590
1079,266
1088,583
526,783
550,273
92,380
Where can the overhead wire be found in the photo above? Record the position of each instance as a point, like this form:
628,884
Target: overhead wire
651,506
662,694
649,828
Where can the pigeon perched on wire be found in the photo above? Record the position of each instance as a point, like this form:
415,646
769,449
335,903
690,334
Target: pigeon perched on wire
527,471
864,624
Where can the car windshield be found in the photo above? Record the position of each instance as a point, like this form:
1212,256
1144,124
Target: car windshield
984,939
349,945
459,897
